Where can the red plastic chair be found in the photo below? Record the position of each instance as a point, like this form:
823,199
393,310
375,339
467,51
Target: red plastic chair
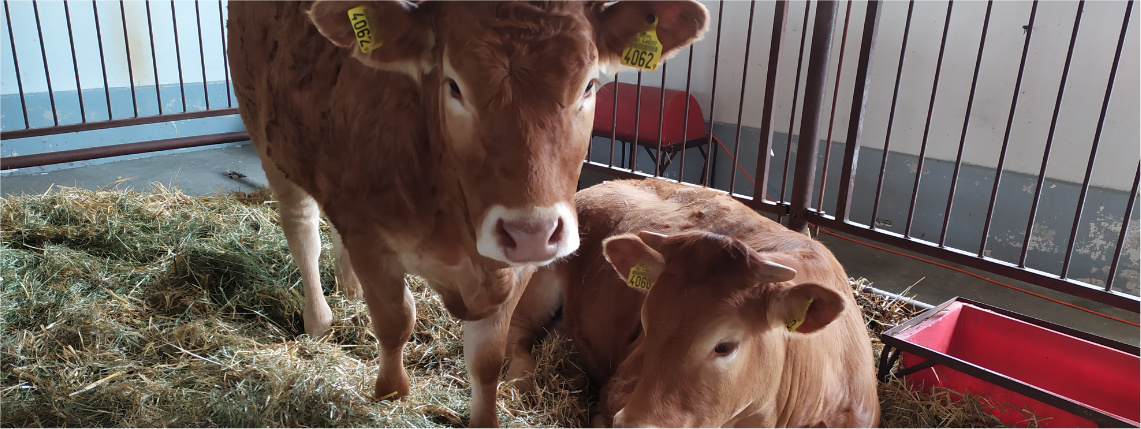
679,131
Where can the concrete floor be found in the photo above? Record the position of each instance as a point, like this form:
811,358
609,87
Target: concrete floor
209,171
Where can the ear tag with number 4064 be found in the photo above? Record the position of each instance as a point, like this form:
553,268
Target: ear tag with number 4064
362,30
645,51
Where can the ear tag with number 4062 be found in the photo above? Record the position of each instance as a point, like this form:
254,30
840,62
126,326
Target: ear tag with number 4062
362,30
639,277
645,51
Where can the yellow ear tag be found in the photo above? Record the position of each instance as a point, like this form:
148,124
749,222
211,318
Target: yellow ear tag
645,51
361,28
796,321
639,277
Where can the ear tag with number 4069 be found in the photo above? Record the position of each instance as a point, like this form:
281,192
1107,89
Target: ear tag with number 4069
362,30
645,51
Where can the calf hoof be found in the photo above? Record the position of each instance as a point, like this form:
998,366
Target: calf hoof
393,387
521,375
318,319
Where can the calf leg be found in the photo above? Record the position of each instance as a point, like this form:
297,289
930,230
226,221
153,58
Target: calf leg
391,307
346,277
485,341
535,311
299,220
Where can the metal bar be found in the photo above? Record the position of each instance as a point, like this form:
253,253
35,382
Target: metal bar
74,63
705,180
25,161
835,101
154,59
614,120
1124,230
130,69
741,104
795,96
815,81
856,117
994,266
927,124
88,126
178,55
202,54
966,123
1050,137
891,116
1096,141
1009,124
772,80
225,54
102,59
44,56
637,122
599,167
16,63
685,124
661,125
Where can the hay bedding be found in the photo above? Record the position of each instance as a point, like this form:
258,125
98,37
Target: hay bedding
160,309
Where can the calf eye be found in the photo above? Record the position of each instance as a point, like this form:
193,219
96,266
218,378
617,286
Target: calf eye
589,89
723,349
455,89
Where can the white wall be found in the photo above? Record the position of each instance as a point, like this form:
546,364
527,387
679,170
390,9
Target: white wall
111,22
1118,151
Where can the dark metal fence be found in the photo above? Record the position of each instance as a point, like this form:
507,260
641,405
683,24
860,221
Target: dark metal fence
786,121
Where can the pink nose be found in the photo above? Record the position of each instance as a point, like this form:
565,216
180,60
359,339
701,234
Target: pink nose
530,240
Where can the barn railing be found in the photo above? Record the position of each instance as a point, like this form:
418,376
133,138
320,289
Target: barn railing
72,67
1075,233
980,145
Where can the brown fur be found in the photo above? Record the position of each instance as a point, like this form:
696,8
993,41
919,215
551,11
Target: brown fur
714,271
368,139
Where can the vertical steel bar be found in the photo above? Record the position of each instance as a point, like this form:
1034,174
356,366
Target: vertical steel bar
178,55
130,69
741,104
102,59
835,101
44,56
637,123
1009,124
16,64
795,97
966,123
1124,230
1096,141
661,124
225,54
705,181
856,117
1050,137
614,120
201,53
891,115
685,124
927,124
154,59
74,63
816,80
772,79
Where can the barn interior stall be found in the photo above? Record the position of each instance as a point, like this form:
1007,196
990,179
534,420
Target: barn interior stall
984,150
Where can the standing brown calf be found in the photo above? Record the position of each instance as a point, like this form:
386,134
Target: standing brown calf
744,323
442,139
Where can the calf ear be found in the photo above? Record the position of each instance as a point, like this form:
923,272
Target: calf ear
637,263
400,32
680,23
806,307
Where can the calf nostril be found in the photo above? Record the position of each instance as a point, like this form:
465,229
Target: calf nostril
504,237
557,234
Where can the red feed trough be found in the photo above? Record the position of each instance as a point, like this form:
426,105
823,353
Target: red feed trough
1066,378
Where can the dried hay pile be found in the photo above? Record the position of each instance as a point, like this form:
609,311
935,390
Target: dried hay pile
160,309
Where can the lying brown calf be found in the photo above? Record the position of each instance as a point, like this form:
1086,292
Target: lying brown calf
742,322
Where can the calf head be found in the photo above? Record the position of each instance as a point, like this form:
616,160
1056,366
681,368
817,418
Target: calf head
512,86
716,322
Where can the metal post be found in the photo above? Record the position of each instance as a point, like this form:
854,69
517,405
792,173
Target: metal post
814,90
